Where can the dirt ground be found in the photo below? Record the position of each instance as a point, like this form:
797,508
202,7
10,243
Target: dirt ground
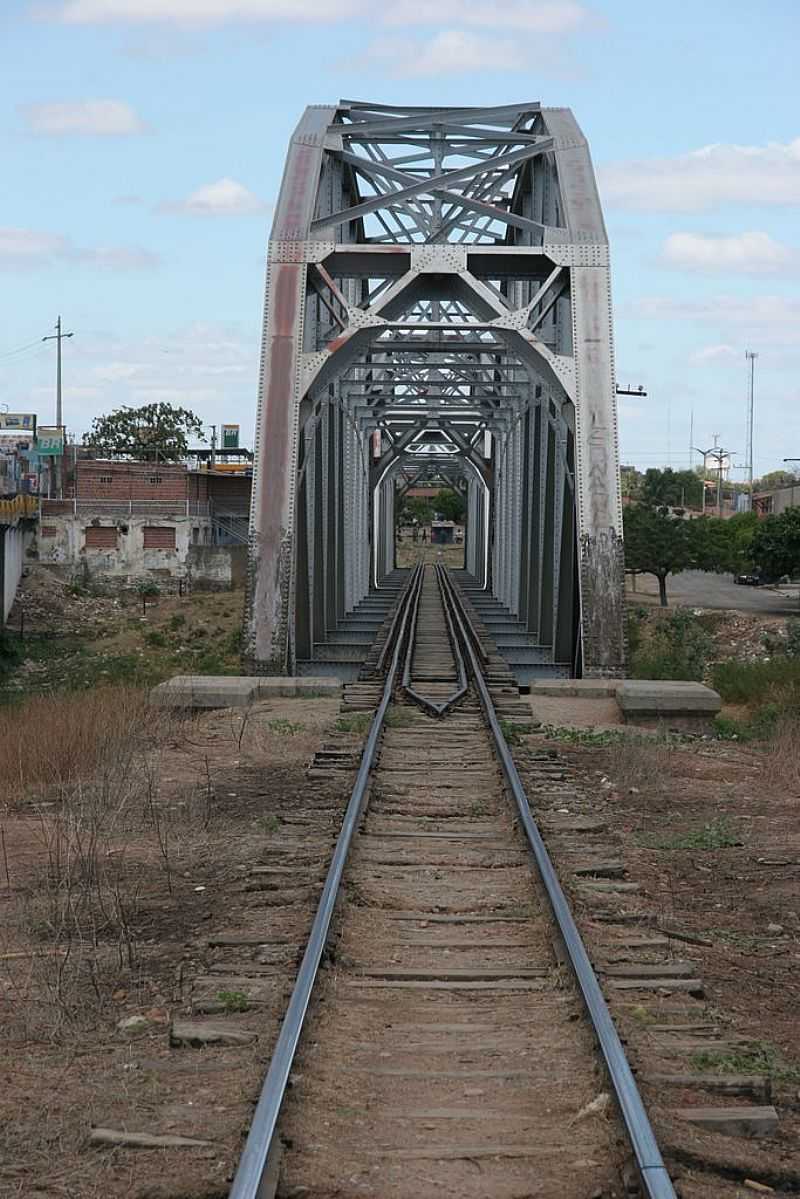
233,798
63,636
409,553
708,832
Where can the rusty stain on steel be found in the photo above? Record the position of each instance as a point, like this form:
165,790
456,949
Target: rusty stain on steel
301,165
277,433
339,341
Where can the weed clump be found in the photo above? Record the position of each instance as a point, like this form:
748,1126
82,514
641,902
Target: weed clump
776,680
285,728
233,1001
717,834
757,1057
359,722
676,646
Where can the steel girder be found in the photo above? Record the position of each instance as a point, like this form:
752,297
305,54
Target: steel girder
437,292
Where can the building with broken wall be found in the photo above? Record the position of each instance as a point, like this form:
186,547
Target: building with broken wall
123,522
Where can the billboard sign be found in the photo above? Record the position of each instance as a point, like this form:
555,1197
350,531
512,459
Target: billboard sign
50,441
230,437
24,421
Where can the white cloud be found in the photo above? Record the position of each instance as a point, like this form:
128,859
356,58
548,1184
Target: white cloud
742,253
712,176
20,248
535,16
225,197
117,258
30,246
450,52
207,367
199,12
100,118
760,320
714,355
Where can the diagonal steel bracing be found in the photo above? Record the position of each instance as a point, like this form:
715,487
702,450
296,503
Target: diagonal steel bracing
437,306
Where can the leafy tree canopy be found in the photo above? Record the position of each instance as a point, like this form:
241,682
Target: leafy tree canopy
656,543
416,507
676,488
155,432
451,504
775,545
631,481
775,479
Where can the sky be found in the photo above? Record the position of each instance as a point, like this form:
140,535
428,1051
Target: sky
143,145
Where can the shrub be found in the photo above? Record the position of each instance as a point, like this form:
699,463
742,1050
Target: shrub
676,647
793,637
634,628
777,679
10,651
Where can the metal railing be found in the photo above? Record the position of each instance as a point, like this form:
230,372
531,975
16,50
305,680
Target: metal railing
111,508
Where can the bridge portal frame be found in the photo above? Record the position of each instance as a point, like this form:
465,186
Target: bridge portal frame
529,275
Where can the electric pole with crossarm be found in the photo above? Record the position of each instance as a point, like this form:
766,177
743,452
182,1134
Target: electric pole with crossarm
58,337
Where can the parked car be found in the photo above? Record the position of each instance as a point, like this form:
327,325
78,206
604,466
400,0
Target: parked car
757,580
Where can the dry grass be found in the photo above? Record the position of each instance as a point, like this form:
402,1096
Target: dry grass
781,769
635,763
83,777
54,741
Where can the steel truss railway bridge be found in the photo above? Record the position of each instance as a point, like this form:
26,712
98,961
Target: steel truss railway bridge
437,309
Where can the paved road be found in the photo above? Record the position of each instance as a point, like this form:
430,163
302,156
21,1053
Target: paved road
700,590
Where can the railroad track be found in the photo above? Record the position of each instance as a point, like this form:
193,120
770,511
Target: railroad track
459,1043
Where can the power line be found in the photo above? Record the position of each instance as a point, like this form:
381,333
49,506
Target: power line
21,349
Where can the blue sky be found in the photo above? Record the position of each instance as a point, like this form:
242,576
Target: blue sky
144,141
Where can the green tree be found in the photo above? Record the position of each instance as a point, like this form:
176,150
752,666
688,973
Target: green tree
775,545
154,432
631,482
451,504
775,479
656,543
677,488
416,507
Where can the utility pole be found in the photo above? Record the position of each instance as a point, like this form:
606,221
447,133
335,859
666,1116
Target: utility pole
720,454
751,357
58,337
213,446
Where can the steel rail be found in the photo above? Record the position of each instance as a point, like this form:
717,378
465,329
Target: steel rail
258,1160
653,1173
380,665
429,705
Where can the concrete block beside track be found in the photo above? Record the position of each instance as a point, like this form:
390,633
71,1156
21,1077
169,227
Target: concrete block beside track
682,705
576,688
206,691
237,691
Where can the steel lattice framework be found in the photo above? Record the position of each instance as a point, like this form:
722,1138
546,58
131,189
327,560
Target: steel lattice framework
438,305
